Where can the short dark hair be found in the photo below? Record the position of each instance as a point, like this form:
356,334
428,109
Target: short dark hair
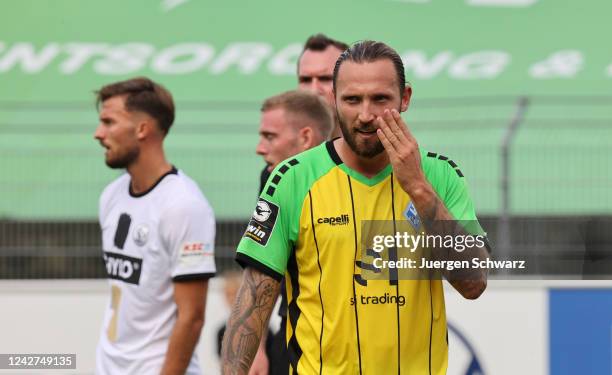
306,105
143,95
319,42
370,51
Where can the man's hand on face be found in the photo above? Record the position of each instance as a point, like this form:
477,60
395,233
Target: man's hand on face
403,151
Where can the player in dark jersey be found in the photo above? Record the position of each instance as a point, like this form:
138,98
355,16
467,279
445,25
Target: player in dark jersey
309,228
291,122
315,70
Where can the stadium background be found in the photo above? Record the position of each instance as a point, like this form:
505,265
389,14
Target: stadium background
517,92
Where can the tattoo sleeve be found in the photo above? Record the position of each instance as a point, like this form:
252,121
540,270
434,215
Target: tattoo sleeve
248,321
438,220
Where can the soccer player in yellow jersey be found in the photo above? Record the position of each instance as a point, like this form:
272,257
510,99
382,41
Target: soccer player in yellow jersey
307,225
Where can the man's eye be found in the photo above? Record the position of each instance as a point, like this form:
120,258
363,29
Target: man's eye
380,99
351,99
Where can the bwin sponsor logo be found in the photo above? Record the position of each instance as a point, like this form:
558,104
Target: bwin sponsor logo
256,231
339,220
123,268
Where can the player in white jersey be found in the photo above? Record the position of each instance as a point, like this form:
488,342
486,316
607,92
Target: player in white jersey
157,236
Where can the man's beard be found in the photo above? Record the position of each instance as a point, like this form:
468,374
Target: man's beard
367,149
123,161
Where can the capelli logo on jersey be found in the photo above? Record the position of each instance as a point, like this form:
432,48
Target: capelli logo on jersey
122,267
339,220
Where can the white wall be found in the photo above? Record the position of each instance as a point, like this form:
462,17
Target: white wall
508,325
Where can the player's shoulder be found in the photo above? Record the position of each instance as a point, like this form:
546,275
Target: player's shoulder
299,171
444,175
439,166
182,192
312,158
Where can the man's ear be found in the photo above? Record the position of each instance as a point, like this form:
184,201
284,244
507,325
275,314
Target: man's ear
406,98
143,129
147,127
306,138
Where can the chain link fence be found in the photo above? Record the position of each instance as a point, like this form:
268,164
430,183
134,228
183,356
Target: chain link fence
539,169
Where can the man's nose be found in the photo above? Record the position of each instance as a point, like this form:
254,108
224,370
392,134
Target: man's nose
99,133
365,113
318,87
261,149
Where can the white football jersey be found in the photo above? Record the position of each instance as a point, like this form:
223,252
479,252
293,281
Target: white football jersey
150,240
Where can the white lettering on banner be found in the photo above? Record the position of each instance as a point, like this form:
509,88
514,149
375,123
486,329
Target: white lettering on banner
479,65
168,5
79,55
561,64
285,61
417,63
501,3
250,57
23,54
247,56
124,59
172,60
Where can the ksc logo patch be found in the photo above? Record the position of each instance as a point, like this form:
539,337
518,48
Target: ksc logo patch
262,223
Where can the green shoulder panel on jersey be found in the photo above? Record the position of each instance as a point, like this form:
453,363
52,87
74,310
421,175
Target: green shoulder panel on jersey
451,186
273,229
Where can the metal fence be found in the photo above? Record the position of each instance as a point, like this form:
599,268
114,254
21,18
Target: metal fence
538,169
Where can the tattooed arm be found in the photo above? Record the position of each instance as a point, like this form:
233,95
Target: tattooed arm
248,321
438,220
403,151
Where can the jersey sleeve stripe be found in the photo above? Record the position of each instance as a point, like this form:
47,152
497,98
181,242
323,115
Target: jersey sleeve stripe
193,277
246,261
271,190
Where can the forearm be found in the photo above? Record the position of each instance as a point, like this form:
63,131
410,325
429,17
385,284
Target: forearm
183,340
439,221
248,321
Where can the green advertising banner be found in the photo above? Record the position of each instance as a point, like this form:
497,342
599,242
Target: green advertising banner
467,60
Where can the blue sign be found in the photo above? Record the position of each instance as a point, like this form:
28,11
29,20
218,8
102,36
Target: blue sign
580,331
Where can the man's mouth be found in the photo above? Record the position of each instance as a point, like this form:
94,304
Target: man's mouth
367,131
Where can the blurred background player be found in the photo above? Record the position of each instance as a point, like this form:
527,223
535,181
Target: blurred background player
291,122
158,234
315,69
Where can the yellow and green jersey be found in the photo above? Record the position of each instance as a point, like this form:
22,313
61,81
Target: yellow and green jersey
307,226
